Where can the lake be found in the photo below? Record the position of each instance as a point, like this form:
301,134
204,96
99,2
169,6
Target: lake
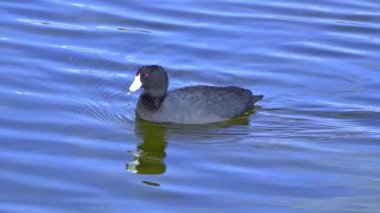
70,141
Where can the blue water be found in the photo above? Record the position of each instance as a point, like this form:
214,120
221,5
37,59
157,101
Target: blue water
70,140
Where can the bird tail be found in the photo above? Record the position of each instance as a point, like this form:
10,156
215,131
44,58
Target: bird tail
256,98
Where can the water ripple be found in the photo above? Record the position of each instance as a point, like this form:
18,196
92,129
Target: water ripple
70,137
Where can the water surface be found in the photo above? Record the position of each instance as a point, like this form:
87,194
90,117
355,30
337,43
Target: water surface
70,140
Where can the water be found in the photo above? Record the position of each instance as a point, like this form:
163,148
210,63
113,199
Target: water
70,141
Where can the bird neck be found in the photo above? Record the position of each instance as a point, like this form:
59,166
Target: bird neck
152,102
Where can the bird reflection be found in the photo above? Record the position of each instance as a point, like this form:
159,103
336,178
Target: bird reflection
150,154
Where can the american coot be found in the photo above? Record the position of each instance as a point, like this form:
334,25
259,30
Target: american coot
187,105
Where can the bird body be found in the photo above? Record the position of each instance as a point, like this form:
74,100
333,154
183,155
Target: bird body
189,105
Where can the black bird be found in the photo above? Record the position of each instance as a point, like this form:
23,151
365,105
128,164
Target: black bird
187,105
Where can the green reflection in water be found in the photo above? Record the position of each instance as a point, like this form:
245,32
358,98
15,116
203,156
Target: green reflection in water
150,154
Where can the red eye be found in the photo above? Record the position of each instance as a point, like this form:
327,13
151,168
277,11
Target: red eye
146,75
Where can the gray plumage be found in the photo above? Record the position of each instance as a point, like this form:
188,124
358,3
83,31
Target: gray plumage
199,105
189,105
